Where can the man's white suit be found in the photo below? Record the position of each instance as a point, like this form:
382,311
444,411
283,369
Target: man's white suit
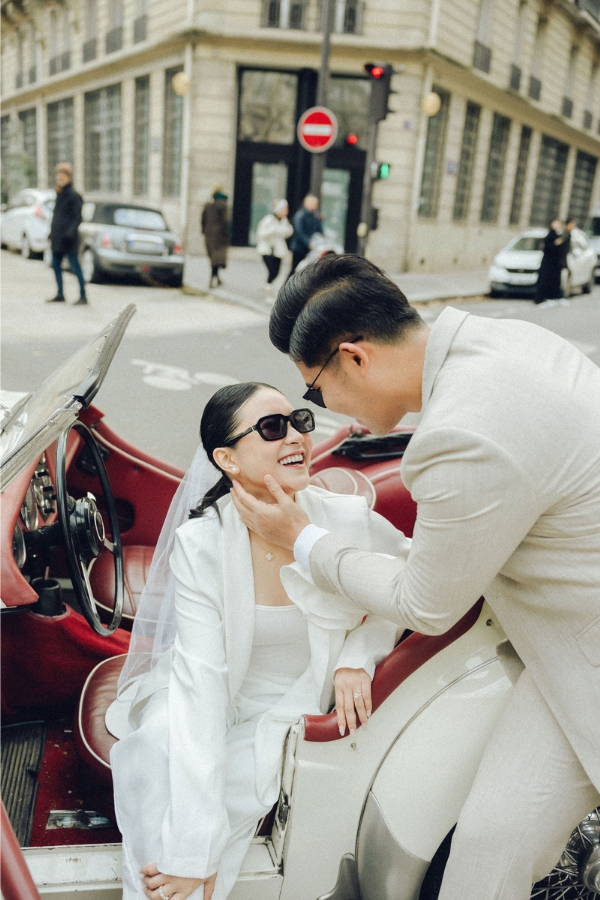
505,469
191,775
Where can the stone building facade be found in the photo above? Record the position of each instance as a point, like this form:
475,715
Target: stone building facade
515,142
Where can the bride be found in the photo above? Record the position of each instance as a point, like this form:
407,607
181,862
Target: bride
230,647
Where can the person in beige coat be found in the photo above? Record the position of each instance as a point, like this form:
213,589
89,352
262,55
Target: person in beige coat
505,469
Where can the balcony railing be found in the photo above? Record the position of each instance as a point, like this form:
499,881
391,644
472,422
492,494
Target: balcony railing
89,50
114,39
482,57
535,88
515,77
140,29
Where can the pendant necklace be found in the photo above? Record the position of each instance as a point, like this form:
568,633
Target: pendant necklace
268,555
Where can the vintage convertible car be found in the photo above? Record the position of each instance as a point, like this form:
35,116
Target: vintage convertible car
364,817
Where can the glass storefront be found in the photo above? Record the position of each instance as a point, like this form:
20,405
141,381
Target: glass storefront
269,183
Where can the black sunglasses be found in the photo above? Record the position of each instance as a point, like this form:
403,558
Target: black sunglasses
313,394
275,426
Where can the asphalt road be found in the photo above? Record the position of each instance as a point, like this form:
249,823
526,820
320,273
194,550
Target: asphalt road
179,349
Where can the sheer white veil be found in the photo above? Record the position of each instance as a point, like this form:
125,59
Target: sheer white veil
154,624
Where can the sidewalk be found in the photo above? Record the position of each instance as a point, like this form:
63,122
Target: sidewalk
244,281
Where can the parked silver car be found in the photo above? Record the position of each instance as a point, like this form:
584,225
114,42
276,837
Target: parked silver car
25,222
126,239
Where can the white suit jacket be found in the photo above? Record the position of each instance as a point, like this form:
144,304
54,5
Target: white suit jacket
215,609
505,469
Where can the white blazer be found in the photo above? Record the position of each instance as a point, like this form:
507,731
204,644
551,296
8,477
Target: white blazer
215,609
505,470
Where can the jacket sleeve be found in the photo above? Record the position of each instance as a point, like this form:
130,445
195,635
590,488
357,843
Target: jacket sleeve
474,507
196,828
73,217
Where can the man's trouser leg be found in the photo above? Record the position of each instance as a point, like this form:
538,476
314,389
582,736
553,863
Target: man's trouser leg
76,270
57,259
529,794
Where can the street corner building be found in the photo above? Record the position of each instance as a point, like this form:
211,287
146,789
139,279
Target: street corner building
514,139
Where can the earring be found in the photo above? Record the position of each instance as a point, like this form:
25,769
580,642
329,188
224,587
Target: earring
235,469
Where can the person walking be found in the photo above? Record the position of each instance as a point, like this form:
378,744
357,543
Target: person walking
307,220
548,290
64,240
271,234
215,228
504,466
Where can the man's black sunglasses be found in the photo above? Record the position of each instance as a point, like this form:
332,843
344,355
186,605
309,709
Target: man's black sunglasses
274,427
313,394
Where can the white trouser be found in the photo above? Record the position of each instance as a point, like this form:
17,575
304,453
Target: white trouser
529,794
141,774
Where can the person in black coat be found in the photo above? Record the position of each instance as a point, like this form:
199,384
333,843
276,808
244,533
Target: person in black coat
306,222
63,231
548,283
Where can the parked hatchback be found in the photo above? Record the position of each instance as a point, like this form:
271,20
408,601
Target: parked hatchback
127,239
25,223
515,269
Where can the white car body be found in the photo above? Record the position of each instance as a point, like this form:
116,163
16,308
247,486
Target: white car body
515,269
25,224
592,230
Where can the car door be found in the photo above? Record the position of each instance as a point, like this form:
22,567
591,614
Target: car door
10,220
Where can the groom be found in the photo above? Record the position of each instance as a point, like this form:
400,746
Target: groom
505,469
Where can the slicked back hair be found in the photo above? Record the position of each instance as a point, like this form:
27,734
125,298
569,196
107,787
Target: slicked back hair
337,298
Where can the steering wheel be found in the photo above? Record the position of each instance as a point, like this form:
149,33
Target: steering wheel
83,533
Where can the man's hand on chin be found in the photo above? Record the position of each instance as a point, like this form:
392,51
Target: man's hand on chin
278,523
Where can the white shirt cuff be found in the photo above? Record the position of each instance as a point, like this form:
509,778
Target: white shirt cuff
305,541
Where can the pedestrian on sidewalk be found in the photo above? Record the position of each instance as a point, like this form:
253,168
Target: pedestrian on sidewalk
548,290
307,220
271,234
64,239
215,228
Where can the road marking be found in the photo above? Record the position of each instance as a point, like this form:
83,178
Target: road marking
173,378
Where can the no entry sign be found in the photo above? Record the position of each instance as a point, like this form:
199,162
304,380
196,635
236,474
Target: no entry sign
317,129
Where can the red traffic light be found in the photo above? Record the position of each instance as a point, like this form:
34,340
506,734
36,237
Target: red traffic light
374,70
352,139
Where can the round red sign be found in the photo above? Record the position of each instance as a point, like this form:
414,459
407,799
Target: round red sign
317,129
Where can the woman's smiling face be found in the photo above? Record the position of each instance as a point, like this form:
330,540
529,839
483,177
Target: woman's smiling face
286,459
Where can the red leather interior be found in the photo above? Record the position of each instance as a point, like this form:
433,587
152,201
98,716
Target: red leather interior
405,659
92,739
15,877
344,481
136,564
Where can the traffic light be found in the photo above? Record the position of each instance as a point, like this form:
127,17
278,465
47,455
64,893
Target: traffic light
351,139
380,171
380,75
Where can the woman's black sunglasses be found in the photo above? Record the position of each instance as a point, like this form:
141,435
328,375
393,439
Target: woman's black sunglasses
274,427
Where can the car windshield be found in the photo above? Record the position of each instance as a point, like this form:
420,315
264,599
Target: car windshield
593,227
528,244
80,376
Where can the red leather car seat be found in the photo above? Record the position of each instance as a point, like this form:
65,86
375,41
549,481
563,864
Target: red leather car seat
136,564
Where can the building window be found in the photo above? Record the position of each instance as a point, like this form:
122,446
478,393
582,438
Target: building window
141,135
492,190
267,107
60,134
581,190
172,141
114,35
90,45
549,181
348,15
520,174
32,53
28,122
102,120
467,160
140,23
482,54
19,77
567,103
517,49
535,84
4,151
433,159
590,98
284,14
60,41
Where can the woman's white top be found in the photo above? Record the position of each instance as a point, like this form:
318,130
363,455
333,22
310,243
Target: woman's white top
271,234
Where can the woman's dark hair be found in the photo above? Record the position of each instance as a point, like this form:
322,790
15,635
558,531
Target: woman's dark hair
337,298
218,425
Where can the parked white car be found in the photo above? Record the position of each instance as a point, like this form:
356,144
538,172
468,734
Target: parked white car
25,223
592,230
515,269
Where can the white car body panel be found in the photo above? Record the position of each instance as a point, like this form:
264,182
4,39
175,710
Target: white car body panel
582,262
21,219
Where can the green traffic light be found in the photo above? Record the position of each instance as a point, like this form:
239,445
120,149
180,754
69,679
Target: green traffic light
384,170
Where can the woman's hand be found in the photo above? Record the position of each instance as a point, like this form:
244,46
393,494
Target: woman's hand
352,698
278,523
172,886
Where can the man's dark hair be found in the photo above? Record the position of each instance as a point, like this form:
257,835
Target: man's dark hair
337,298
